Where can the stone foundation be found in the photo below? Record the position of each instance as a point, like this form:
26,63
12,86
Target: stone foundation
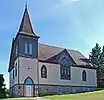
51,90
18,90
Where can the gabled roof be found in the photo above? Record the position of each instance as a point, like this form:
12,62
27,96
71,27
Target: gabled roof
78,57
47,51
26,26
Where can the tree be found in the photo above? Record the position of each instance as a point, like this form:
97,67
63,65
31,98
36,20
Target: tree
101,69
102,58
2,87
97,59
95,56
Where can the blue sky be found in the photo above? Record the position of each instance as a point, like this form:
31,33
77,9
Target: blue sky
74,24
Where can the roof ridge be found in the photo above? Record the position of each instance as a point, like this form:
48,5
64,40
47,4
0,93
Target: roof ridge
58,47
51,45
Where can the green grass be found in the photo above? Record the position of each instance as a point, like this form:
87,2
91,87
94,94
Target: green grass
97,95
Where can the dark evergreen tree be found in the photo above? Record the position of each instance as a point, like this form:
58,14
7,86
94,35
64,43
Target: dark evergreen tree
2,87
101,69
102,58
97,59
95,56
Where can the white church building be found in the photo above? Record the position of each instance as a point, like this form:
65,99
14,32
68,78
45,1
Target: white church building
40,69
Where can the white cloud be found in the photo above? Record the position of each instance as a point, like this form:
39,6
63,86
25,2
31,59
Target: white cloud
68,1
65,2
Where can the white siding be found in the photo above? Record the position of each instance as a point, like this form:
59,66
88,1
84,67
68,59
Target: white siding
11,78
14,81
27,68
16,77
53,76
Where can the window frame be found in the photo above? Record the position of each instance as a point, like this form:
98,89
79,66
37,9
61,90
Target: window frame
26,48
84,76
44,75
16,70
65,69
30,48
28,81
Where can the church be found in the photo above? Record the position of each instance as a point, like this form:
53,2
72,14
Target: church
41,69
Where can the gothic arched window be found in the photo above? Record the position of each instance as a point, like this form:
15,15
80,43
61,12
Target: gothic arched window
26,48
15,69
84,76
28,81
30,48
43,72
65,69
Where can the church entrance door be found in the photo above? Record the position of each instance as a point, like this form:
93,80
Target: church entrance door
28,91
28,87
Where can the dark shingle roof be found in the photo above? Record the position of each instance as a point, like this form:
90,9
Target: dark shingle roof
47,51
26,26
79,58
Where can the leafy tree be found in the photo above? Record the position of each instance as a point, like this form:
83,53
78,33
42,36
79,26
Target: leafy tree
2,87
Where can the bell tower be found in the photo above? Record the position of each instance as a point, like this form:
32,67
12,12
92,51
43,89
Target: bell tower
27,37
24,59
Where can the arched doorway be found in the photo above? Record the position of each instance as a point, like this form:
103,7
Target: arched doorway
28,87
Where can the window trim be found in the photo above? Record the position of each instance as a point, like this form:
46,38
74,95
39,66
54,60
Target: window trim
16,70
43,75
84,76
26,48
30,48
65,69
28,81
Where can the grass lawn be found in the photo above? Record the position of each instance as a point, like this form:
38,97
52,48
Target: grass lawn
97,95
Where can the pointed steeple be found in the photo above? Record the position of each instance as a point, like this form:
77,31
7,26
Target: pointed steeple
26,5
26,26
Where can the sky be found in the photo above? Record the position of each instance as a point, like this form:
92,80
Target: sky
73,24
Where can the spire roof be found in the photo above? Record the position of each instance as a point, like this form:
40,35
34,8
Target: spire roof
26,26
